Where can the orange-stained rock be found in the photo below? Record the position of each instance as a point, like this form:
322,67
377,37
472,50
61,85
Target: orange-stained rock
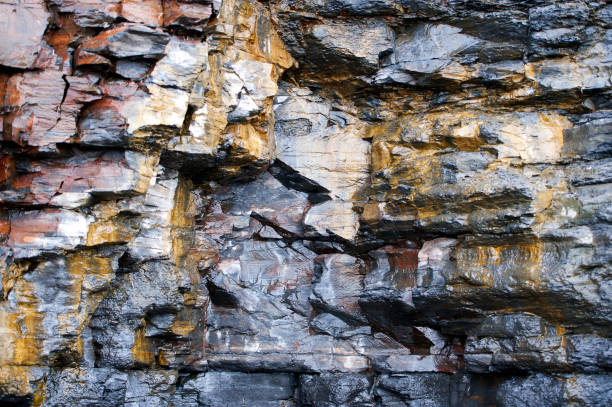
35,232
43,106
74,183
62,35
191,15
5,225
7,168
34,99
149,12
89,58
417,213
230,128
50,306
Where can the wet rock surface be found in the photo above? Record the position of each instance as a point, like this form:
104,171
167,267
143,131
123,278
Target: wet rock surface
305,203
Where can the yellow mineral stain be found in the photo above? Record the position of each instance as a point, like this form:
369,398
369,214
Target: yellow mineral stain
530,71
7,336
495,265
109,231
183,209
371,212
11,274
182,328
142,351
162,358
467,136
554,124
381,158
17,380
249,141
25,324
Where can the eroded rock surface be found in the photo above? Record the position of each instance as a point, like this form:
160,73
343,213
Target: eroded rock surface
305,203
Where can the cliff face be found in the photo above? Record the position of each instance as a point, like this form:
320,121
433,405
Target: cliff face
305,203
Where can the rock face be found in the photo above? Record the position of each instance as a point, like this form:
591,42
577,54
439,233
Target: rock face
305,203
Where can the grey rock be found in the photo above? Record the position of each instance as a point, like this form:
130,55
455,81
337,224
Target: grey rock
359,8
589,353
103,126
337,284
329,390
589,390
424,389
86,387
329,324
135,70
22,46
510,325
360,44
129,41
224,389
103,387
537,389
590,138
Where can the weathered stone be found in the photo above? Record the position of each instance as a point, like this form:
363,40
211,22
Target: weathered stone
83,178
91,13
22,25
187,14
128,41
103,387
44,106
102,124
149,12
337,284
590,137
54,322
258,389
330,324
149,110
418,213
229,128
423,389
361,45
333,218
35,232
335,390
336,156
183,62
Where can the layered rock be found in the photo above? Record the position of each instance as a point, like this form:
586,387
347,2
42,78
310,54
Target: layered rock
330,203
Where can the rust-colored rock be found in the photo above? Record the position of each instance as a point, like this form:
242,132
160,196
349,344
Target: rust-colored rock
187,14
75,183
43,106
149,12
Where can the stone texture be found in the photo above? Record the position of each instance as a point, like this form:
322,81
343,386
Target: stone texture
127,41
305,203
23,24
228,135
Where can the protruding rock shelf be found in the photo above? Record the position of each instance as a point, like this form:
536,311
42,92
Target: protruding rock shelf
317,203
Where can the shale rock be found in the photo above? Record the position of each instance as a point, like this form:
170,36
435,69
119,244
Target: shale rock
305,203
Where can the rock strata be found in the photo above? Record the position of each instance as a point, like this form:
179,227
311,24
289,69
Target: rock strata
305,203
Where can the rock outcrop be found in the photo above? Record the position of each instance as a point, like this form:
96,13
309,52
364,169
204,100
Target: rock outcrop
305,203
